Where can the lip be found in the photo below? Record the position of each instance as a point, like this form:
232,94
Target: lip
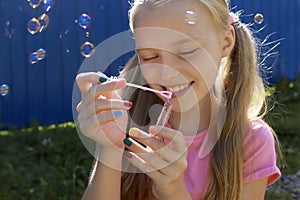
182,92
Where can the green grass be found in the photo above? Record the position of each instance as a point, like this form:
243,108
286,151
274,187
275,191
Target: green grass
43,163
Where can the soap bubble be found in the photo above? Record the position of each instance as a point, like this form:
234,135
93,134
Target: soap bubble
84,20
48,4
41,54
33,58
258,18
8,30
44,22
4,90
34,3
36,56
87,49
33,26
190,17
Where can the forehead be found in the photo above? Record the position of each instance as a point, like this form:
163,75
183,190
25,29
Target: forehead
178,21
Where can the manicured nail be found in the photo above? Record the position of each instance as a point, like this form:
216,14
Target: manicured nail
153,129
102,79
127,104
127,142
133,132
128,155
118,113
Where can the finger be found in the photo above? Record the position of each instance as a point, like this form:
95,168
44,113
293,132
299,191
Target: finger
90,128
154,167
152,141
102,105
139,161
86,80
96,91
155,143
176,137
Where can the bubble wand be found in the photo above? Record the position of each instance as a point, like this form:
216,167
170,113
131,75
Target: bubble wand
165,94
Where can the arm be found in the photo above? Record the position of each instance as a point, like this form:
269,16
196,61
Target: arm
98,120
254,189
106,183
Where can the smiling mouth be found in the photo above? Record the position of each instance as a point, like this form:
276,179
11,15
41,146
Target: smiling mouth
178,88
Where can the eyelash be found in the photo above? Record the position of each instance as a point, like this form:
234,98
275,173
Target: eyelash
181,53
188,52
150,58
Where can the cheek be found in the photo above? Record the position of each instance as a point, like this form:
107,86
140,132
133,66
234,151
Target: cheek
205,70
149,72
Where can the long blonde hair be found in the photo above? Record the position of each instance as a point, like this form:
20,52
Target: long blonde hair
245,97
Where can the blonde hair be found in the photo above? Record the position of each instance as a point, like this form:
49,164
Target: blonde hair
245,97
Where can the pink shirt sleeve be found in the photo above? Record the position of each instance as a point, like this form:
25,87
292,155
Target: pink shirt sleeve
259,156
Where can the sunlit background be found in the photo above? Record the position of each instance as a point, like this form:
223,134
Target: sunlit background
42,46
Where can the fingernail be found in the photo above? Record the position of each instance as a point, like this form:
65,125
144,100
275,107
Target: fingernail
153,129
102,79
128,155
127,104
127,142
118,113
133,132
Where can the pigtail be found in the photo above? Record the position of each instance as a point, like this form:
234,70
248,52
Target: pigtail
241,81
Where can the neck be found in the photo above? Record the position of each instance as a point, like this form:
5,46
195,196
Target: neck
195,120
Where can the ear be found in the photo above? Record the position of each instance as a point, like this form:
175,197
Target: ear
229,41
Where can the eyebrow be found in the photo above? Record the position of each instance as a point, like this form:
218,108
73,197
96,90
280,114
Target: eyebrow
190,39
195,39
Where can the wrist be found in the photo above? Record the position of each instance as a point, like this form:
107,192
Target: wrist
111,157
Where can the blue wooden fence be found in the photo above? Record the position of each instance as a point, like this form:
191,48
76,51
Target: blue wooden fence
43,91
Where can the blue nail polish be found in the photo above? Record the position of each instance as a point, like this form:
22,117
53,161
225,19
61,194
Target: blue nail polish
118,113
127,142
102,79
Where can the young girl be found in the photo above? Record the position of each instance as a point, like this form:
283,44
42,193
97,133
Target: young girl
214,146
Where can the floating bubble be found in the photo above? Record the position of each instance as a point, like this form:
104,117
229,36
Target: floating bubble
33,58
4,90
258,18
191,17
44,22
36,56
48,4
41,54
87,49
33,26
34,3
87,34
8,30
84,20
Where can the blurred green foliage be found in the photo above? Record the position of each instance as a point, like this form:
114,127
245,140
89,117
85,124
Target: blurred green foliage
284,118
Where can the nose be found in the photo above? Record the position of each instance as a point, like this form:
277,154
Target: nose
169,66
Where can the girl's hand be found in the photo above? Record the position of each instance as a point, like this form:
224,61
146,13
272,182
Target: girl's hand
102,113
164,163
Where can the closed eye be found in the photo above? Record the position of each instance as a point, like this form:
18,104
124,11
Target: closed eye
188,52
148,58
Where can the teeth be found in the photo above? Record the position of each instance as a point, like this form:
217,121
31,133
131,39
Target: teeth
178,88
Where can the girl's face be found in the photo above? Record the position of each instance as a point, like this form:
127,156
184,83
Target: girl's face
179,49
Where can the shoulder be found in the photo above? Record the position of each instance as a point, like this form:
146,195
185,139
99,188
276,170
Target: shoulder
259,138
259,131
259,155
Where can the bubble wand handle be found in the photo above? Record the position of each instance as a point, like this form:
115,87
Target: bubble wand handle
166,94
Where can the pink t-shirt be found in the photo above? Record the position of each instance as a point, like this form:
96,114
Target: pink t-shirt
259,159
